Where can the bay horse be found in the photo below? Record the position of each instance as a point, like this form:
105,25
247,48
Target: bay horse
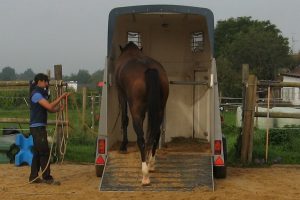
143,85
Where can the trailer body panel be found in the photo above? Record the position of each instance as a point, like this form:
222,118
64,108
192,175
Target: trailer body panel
181,38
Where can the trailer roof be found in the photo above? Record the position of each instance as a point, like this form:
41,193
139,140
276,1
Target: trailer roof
148,9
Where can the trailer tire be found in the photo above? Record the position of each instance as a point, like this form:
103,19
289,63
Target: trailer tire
221,171
99,170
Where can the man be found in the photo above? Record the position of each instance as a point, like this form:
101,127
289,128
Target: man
39,105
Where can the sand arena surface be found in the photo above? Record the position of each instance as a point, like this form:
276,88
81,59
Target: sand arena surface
80,182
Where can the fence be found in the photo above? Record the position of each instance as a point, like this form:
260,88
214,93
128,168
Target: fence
249,112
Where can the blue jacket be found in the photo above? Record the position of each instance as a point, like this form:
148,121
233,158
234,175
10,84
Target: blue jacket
38,114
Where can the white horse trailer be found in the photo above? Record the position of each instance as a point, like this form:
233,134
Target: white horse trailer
181,38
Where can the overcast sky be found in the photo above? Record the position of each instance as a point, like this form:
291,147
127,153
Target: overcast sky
40,33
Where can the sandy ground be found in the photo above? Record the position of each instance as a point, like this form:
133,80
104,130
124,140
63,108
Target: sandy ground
80,182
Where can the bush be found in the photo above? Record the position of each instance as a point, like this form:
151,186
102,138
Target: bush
280,136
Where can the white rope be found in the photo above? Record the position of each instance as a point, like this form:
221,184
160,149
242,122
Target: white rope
60,116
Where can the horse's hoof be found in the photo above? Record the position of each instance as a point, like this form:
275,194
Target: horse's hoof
151,170
146,182
151,163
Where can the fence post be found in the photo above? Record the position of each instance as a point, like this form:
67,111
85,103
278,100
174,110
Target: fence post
245,75
84,91
248,120
59,128
93,110
267,125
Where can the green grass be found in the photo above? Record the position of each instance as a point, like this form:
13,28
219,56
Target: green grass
284,143
80,153
284,148
231,133
229,118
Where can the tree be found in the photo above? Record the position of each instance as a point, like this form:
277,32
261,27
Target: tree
257,43
296,59
230,80
97,76
28,74
8,74
83,76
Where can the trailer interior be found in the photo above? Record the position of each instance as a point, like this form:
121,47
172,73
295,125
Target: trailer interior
181,43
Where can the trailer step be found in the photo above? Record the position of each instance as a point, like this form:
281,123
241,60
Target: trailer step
180,171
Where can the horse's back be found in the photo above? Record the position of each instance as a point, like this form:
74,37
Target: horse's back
131,68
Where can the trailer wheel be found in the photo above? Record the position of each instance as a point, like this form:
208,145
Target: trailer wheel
99,170
221,171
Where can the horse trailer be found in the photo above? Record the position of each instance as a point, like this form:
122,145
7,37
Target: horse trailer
181,38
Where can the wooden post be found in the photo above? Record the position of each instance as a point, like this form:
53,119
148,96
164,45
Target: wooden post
267,125
22,83
93,109
256,110
245,75
59,128
253,103
26,121
84,91
278,115
248,120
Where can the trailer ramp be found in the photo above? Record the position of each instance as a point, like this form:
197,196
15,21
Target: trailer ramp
174,171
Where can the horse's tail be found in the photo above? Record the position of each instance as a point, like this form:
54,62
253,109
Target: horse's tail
154,101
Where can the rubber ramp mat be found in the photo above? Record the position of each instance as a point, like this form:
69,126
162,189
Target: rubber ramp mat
173,172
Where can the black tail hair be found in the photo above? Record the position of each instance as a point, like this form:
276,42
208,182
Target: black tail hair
154,100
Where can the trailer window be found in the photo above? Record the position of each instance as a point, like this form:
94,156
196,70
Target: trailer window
197,42
134,37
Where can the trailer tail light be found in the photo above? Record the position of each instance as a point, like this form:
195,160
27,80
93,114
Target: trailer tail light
218,147
219,161
101,146
100,160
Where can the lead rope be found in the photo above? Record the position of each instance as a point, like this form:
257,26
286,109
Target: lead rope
60,117
63,146
56,124
60,114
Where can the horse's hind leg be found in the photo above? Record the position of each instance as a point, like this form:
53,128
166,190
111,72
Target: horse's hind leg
138,127
124,118
152,155
154,147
